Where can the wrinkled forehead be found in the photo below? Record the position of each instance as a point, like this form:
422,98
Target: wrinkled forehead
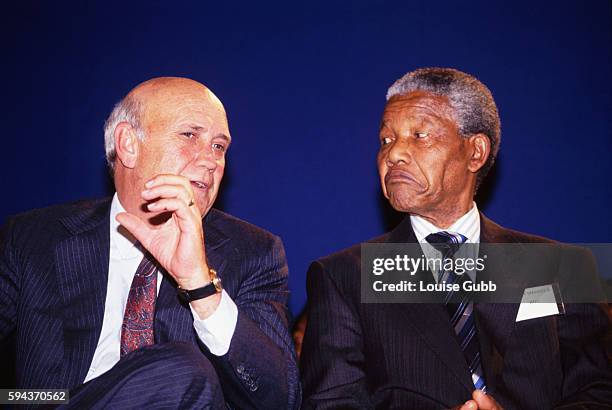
418,105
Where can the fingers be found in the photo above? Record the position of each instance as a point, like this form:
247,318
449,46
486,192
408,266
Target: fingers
480,401
485,401
174,193
168,191
166,186
180,209
469,405
169,179
136,227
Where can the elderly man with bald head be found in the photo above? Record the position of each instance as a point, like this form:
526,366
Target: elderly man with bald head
152,298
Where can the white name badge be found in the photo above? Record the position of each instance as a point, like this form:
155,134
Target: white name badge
539,301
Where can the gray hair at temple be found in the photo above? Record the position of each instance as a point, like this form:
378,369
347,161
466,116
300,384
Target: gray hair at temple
127,110
474,107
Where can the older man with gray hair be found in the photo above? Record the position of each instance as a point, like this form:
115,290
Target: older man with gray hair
151,298
439,135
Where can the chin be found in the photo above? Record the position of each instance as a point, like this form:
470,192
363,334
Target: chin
205,205
402,202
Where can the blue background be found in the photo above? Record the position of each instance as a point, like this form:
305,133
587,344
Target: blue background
304,86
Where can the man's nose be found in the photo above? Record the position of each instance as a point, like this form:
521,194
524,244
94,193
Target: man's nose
400,151
205,157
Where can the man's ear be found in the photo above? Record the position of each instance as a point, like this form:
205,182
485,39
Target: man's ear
480,149
126,144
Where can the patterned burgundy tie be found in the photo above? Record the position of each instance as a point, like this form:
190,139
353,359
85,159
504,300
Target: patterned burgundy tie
137,328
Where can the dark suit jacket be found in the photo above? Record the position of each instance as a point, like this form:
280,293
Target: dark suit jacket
406,356
53,280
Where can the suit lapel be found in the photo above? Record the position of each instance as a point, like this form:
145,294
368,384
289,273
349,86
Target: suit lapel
173,318
496,321
82,269
431,321
215,240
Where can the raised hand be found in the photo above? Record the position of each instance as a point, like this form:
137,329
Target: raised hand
178,243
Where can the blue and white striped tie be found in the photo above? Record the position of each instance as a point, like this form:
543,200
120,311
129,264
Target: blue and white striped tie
461,314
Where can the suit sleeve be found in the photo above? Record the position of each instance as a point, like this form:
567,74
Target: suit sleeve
583,332
587,372
332,360
9,285
260,369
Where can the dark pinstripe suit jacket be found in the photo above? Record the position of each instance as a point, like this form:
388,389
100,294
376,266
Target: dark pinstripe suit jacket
406,356
53,274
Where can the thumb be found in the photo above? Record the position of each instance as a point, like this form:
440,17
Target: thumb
485,401
469,405
136,227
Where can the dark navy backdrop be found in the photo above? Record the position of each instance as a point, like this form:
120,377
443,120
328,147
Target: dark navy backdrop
304,86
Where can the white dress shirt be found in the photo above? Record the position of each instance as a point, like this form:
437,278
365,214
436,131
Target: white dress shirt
468,225
215,332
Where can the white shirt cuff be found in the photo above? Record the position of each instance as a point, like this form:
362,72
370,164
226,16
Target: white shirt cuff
216,331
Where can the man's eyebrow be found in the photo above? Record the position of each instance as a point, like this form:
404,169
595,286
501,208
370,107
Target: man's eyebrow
225,137
195,127
198,128
384,124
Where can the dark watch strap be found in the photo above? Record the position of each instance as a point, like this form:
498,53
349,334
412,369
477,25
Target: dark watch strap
199,293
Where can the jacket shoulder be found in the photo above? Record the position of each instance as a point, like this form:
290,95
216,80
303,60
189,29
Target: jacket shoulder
236,228
55,219
348,257
495,233
34,235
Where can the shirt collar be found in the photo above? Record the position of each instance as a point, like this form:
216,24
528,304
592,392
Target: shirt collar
121,240
468,225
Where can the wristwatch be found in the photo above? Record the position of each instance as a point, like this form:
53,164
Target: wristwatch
205,291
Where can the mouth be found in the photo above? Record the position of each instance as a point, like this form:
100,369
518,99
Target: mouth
200,185
400,176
